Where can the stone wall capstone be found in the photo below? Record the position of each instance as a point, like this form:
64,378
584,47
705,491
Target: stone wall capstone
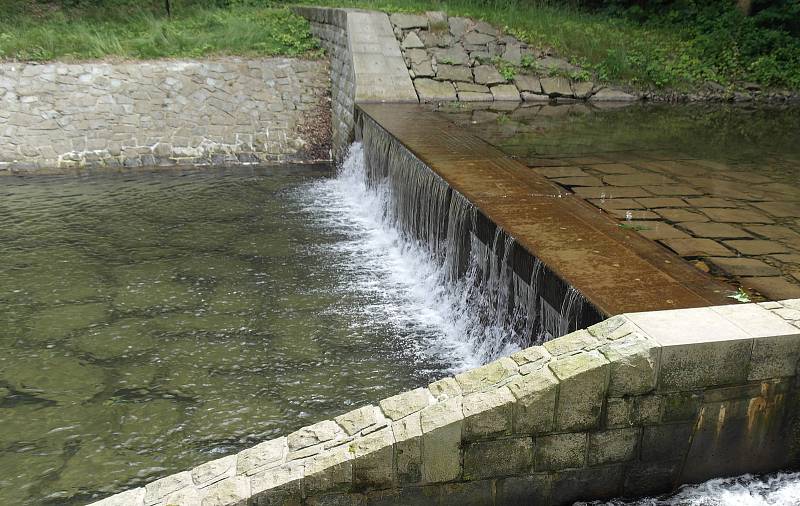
634,405
228,111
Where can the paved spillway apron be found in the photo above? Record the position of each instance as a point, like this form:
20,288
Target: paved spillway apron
617,270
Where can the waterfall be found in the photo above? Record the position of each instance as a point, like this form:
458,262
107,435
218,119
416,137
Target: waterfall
499,297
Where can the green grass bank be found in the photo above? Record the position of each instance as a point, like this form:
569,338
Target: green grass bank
127,29
679,45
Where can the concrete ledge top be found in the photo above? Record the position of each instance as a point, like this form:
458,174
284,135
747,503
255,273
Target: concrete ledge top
380,71
616,269
712,324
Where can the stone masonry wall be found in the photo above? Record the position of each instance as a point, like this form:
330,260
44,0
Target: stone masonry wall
330,27
227,111
634,405
459,59
366,64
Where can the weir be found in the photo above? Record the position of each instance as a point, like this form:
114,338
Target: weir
549,263
508,288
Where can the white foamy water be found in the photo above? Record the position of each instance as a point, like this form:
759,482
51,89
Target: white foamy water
410,288
781,489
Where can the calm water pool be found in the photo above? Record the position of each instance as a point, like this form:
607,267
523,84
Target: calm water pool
152,321
717,184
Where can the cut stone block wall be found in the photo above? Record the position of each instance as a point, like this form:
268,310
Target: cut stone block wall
366,64
634,405
459,59
228,111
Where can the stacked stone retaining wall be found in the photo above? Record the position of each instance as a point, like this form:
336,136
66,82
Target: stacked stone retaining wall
228,111
634,405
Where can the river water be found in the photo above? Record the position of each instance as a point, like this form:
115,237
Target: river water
152,321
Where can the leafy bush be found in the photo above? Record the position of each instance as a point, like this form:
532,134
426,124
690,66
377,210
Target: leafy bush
763,47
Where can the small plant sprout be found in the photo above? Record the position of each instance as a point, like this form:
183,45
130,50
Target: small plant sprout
634,226
741,295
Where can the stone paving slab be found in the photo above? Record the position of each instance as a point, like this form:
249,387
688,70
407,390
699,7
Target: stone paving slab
706,200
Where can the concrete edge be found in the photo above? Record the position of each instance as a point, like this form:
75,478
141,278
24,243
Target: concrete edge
379,70
542,398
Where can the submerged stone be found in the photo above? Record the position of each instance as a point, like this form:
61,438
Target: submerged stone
272,245
40,465
53,284
134,376
220,421
92,469
236,299
203,236
55,323
213,267
159,296
50,375
124,337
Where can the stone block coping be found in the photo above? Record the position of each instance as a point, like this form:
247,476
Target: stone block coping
629,405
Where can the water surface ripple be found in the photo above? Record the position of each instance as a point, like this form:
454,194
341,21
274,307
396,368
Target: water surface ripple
150,322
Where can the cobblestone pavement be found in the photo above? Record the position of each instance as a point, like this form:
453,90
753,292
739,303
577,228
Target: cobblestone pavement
731,210
226,111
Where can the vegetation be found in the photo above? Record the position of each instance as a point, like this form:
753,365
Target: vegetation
75,29
660,44
678,44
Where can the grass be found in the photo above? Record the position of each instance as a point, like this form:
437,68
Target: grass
663,54
659,54
32,31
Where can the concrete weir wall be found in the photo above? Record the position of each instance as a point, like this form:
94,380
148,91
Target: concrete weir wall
634,405
232,111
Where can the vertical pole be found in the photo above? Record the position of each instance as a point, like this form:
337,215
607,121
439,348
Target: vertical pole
167,6
745,6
